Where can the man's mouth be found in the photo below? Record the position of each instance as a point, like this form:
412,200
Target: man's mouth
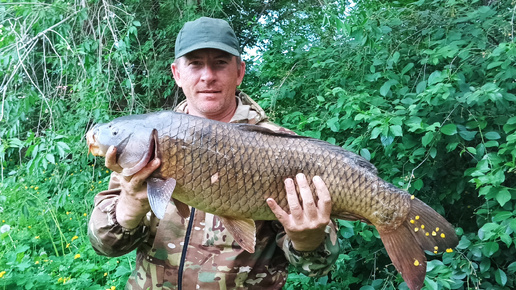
209,92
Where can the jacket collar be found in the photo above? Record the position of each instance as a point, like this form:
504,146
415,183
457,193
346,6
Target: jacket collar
247,111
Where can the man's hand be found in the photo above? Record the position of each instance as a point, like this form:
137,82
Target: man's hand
133,204
306,222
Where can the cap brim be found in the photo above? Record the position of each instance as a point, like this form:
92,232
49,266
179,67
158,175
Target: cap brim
214,45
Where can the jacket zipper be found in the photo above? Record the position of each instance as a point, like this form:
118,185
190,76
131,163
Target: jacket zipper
185,247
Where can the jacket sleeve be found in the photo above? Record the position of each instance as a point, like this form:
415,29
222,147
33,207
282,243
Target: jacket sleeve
106,235
315,263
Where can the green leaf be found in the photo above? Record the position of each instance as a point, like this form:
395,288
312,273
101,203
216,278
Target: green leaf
503,215
433,152
501,277
449,129
50,158
421,86
396,130
467,135
464,243
490,248
429,136
511,121
494,64
365,153
333,124
503,196
506,239
418,184
512,224
492,135
396,57
434,77
511,269
408,67
386,88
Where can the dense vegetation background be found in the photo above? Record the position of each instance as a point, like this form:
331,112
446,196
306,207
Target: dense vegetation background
424,89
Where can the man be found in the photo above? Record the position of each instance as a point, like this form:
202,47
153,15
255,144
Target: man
198,252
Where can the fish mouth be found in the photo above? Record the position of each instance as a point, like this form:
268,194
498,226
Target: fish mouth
93,145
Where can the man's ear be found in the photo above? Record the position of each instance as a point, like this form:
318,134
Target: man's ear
241,73
175,72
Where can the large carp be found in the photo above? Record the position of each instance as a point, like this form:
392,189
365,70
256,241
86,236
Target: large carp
231,169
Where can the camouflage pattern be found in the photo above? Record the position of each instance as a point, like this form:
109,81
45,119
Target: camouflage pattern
213,259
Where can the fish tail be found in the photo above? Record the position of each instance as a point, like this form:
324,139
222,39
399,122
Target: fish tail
424,229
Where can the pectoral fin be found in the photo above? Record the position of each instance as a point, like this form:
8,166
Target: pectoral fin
242,230
182,208
159,192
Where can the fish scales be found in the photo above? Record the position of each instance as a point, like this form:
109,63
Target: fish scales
231,169
217,166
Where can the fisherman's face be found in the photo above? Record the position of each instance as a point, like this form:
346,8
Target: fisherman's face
209,78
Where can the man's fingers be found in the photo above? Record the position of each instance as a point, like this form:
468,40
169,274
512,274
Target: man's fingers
280,214
324,198
305,191
296,210
140,177
111,160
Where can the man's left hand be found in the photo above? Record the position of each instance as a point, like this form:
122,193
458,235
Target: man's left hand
306,223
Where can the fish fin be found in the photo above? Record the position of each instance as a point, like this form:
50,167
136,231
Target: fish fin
406,255
182,208
263,130
424,229
430,229
159,192
242,230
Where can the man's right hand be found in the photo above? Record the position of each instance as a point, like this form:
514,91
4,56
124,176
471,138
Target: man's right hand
133,204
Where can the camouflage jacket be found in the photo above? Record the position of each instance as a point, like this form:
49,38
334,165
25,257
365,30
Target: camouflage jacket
198,252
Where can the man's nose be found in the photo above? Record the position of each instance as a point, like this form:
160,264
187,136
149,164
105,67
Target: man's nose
208,74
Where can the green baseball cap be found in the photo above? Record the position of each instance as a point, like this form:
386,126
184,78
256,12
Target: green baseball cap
206,32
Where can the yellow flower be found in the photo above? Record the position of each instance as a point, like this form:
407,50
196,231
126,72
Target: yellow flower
29,227
100,181
113,288
74,238
67,246
67,213
105,274
60,280
36,237
3,221
77,256
85,214
2,274
37,262
36,188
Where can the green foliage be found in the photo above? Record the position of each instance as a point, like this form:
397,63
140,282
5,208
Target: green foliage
424,89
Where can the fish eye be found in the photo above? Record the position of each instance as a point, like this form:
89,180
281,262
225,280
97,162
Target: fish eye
114,131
